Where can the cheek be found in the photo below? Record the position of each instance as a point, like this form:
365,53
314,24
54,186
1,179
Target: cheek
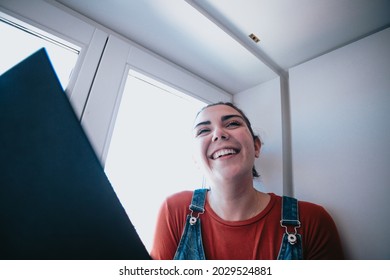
250,147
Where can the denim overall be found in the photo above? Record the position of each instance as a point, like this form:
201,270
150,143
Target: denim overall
191,245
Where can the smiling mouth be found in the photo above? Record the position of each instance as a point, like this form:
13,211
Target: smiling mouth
223,152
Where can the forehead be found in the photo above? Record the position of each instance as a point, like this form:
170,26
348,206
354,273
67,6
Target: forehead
216,112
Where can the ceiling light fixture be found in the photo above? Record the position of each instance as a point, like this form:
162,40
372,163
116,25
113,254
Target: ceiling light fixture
254,38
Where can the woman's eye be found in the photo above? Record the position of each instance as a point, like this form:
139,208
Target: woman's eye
202,131
233,124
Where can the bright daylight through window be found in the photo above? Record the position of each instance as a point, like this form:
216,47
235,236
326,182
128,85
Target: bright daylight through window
150,154
20,41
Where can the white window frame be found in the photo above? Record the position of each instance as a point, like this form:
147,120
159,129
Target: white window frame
97,84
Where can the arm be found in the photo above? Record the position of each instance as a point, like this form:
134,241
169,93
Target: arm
321,239
169,227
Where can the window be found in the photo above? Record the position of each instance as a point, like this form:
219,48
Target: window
20,40
150,153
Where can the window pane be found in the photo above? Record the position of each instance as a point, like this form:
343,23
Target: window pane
19,42
150,154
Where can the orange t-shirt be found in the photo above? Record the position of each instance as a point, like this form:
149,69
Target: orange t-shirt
256,238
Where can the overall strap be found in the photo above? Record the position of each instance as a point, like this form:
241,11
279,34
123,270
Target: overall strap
197,204
290,216
291,247
191,246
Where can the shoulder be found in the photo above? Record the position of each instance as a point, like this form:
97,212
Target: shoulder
316,219
303,206
312,210
178,202
321,238
174,209
307,210
179,198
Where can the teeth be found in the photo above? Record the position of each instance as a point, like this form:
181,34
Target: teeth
223,152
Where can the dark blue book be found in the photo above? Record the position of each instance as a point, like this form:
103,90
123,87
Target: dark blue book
56,202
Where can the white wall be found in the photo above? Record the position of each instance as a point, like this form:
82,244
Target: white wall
340,122
262,105
340,111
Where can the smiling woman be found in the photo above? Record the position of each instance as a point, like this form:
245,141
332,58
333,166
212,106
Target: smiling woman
232,121
219,131
238,221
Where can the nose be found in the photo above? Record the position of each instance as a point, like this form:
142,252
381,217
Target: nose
220,134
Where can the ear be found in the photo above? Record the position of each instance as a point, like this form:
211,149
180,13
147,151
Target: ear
257,146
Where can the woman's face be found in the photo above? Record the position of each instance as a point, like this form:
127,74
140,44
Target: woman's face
224,146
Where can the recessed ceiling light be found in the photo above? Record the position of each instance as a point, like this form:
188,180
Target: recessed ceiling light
254,38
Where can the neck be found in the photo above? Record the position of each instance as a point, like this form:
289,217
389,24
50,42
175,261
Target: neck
234,201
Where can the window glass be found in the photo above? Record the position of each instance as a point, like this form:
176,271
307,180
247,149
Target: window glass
150,153
20,40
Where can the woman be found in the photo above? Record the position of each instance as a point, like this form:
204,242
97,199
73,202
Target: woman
233,220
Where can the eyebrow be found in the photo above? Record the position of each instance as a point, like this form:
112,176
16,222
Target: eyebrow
227,117
202,123
223,118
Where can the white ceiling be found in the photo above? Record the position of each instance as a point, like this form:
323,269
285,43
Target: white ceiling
210,37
